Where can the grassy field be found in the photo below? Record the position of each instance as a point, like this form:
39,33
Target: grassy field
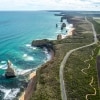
99,52
97,20
78,73
96,25
48,86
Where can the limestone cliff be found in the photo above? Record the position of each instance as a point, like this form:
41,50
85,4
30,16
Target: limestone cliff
10,72
43,43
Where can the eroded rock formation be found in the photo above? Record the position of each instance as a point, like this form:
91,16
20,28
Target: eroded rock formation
63,26
10,72
59,37
43,43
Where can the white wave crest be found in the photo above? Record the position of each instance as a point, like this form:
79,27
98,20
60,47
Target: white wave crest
48,55
18,71
3,66
28,45
3,62
27,57
31,47
9,94
45,50
69,26
22,71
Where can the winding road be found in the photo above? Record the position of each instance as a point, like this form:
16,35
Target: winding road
61,71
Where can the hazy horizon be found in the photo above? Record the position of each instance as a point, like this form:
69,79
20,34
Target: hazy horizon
33,5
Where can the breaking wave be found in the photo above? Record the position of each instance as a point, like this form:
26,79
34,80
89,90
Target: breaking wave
29,46
28,58
9,94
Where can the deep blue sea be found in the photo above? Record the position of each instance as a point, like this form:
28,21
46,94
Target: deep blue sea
17,30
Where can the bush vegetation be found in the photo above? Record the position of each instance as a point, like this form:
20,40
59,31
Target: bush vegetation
48,85
77,83
96,25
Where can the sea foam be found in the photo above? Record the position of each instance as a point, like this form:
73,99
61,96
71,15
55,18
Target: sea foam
48,55
22,71
9,94
27,57
3,66
3,62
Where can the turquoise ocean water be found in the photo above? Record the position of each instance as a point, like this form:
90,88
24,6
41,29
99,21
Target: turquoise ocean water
17,30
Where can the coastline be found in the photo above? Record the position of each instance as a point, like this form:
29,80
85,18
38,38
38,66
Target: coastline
69,33
48,78
28,91
32,76
26,95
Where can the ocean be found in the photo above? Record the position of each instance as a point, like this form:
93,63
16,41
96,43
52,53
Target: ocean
17,30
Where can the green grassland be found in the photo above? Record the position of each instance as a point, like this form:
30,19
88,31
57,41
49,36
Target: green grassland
99,52
77,83
96,24
48,84
97,20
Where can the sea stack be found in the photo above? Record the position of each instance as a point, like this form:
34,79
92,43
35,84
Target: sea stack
63,26
59,37
10,72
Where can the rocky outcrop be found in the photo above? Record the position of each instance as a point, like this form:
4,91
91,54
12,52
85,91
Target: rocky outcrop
10,72
63,18
63,26
43,43
59,37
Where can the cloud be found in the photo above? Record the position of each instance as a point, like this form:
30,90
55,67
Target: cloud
49,4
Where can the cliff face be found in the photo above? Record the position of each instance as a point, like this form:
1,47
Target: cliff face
43,43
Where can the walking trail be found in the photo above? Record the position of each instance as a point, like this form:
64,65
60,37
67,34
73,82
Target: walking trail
93,89
91,82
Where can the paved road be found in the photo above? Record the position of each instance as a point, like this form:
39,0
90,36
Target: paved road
62,84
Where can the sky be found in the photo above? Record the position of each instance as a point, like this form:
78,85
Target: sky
50,5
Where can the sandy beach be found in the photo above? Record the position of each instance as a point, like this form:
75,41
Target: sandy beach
69,33
27,93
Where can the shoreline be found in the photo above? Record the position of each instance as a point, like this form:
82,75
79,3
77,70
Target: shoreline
32,76
69,33
26,94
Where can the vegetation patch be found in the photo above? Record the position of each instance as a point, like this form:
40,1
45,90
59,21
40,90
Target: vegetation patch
48,82
96,25
97,20
78,84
